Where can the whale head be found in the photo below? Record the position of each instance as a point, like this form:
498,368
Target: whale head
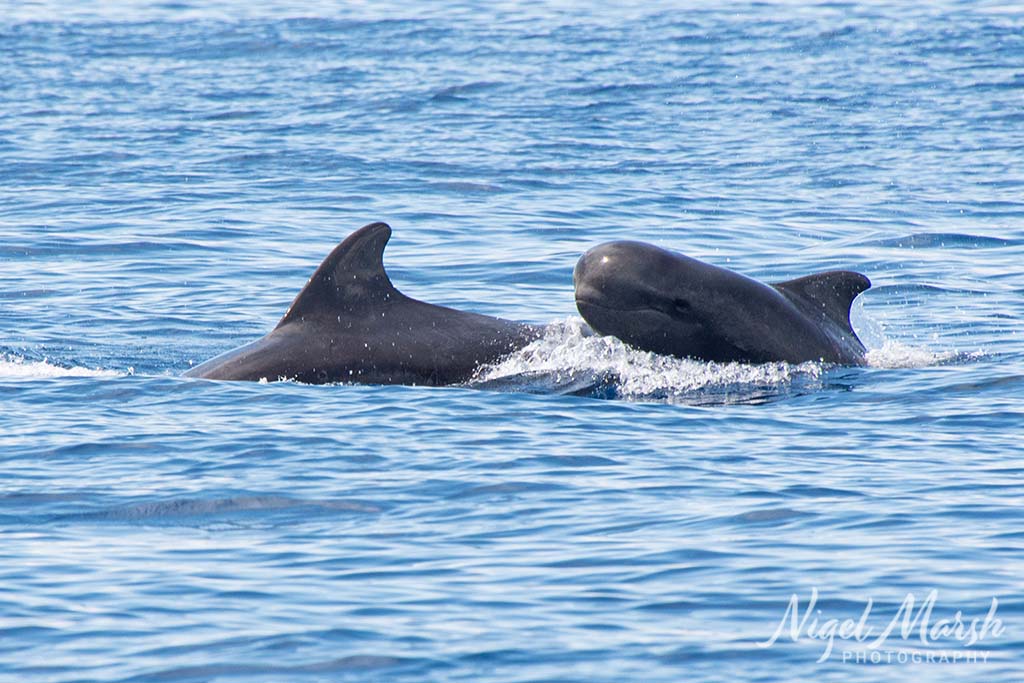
661,301
652,299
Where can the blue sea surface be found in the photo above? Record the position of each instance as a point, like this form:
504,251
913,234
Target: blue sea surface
172,172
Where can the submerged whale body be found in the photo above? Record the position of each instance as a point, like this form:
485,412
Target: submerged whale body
661,301
350,324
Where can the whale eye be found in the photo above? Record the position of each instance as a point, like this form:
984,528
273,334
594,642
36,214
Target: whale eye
682,306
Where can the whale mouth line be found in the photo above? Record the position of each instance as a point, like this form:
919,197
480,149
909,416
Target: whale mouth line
590,302
618,309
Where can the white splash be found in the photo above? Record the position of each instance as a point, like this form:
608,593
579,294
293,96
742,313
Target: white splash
568,351
569,355
15,367
884,352
894,354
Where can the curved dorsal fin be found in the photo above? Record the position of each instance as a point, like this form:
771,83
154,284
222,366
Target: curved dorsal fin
350,279
830,294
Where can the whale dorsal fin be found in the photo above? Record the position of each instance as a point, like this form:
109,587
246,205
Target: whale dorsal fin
351,279
830,294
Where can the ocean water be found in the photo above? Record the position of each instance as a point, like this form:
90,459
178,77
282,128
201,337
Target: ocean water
172,172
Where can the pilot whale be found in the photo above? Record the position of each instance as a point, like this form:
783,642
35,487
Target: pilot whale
661,301
350,324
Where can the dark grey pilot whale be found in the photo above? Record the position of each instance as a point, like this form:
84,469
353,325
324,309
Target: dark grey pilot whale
661,301
350,324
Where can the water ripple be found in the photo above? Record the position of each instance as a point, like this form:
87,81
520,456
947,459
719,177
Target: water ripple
174,171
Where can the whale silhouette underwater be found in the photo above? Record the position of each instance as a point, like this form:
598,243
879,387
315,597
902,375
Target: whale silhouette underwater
350,324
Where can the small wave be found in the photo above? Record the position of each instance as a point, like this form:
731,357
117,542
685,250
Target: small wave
894,354
569,355
201,511
343,666
16,367
463,92
941,240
